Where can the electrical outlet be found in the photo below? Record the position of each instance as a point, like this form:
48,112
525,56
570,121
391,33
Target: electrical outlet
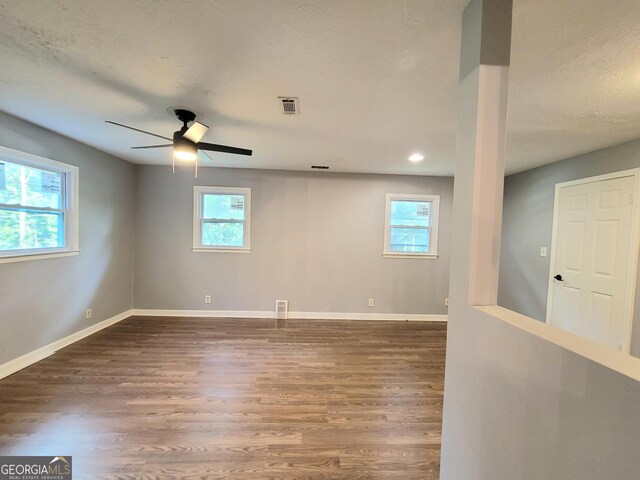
87,314
207,299
446,302
371,302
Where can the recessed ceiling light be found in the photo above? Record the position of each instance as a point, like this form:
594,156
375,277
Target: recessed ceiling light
416,157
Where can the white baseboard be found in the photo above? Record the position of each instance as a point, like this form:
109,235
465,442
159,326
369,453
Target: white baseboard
419,317
30,358
401,317
203,313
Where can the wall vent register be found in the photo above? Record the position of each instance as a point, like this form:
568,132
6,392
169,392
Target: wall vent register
289,105
282,309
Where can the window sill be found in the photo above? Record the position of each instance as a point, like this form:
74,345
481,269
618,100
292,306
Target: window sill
418,256
221,250
37,256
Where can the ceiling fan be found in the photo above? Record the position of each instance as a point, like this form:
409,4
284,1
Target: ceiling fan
186,141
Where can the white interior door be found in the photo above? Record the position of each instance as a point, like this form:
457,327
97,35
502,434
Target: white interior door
590,270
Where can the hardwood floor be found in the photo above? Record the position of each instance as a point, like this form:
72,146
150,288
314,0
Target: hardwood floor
168,398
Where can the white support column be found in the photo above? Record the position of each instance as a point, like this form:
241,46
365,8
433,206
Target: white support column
477,217
480,147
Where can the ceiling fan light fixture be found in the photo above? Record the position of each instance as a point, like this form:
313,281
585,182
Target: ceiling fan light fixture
184,150
185,155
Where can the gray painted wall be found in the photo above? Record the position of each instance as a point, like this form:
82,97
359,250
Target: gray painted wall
317,241
527,224
42,301
520,408
517,407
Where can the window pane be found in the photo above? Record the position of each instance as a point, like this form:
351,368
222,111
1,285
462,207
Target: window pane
409,239
407,212
222,234
20,185
23,230
223,206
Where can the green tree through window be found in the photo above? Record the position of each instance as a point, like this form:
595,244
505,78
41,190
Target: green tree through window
31,208
223,218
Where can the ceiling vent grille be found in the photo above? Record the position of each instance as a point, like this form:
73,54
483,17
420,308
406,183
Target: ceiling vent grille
282,309
289,105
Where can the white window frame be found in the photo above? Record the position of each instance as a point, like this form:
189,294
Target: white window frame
70,208
198,194
434,214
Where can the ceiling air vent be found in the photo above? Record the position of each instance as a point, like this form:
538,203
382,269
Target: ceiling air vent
289,105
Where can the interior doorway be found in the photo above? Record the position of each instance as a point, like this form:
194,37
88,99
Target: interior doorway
594,257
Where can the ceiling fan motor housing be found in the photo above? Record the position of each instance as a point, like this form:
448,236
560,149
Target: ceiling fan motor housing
179,140
185,116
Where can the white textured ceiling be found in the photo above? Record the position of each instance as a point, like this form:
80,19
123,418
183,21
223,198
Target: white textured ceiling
377,79
575,78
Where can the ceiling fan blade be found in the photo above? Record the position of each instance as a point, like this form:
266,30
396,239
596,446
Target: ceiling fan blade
205,157
223,148
137,130
196,132
153,146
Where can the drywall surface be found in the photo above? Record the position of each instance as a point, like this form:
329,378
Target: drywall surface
517,407
528,221
316,240
42,301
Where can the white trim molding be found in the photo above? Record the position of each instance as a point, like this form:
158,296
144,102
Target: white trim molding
419,317
38,256
69,208
415,257
401,317
17,364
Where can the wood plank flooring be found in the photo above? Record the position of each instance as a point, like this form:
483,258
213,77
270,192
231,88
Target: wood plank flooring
169,398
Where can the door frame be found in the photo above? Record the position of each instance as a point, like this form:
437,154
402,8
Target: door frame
632,274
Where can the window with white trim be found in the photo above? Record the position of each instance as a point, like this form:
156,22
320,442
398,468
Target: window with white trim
411,225
38,206
222,219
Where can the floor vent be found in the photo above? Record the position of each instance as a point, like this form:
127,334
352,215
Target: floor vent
289,105
282,308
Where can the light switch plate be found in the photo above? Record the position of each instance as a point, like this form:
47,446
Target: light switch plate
543,251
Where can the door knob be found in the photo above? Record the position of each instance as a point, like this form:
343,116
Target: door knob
558,277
